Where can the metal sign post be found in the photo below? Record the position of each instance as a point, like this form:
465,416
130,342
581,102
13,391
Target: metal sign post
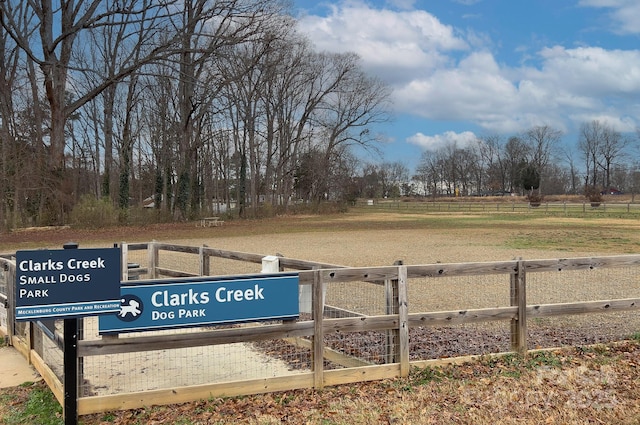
70,364
70,371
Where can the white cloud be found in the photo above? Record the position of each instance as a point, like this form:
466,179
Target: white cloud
475,90
570,83
391,44
625,14
594,70
623,124
449,138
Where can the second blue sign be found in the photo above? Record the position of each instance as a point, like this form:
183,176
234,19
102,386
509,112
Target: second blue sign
197,302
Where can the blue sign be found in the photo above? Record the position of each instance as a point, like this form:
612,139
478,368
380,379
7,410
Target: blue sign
67,283
156,305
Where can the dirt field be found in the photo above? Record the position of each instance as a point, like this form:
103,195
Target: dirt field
383,242
368,239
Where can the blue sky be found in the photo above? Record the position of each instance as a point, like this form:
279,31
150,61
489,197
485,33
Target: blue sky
462,69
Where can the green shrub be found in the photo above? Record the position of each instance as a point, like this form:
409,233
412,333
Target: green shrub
140,216
94,213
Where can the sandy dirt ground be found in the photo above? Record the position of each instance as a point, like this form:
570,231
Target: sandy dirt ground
14,369
383,247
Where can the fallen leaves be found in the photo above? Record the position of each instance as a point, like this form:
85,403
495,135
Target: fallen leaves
571,386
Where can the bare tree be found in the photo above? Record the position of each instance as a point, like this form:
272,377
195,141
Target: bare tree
421,177
160,105
60,27
574,179
600,146
589,141
430,172
516,153
347,112
230,31
612,147
543,141
392,176
286,66
490,149
118,43
9,74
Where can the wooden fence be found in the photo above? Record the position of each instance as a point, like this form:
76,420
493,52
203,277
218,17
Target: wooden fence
508,205
311,332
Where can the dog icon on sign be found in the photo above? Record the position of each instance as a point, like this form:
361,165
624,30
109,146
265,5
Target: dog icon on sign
130,308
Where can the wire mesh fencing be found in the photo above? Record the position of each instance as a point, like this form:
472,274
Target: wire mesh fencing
187,366
44,343
591,286
457,294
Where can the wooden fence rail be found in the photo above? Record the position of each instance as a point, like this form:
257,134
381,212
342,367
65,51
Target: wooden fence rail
508,205
310,332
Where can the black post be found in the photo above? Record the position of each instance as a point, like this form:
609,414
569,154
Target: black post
70,364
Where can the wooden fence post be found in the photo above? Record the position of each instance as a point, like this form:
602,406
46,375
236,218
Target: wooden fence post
152,259
318,332
124,265
519,299
205,262
403,320
392,337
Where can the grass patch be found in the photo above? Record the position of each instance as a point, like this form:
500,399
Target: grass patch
578,238
423,376
510,365
30,404
514,365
